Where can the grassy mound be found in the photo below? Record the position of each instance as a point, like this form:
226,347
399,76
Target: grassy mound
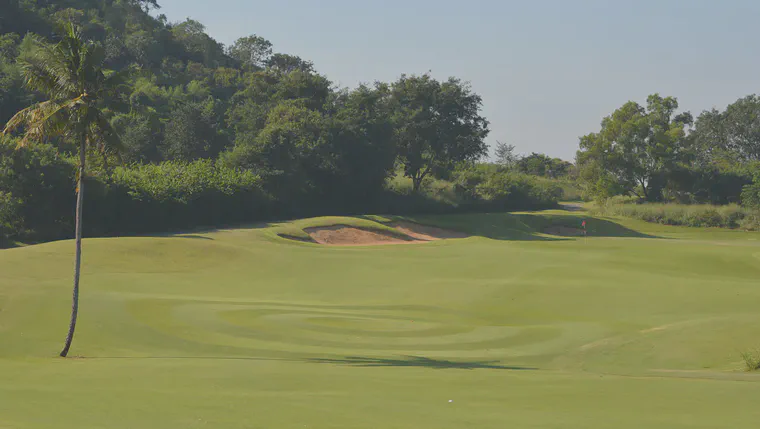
298,230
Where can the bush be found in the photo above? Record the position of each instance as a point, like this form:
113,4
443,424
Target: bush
37,191
751,360
751,222
11,223
38,198
477,188
173,196
751,194
486,187
706,185
729,216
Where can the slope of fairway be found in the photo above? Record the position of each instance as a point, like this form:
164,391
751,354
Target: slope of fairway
637,326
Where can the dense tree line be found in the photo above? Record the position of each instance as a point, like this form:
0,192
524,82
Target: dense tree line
657,154
207,134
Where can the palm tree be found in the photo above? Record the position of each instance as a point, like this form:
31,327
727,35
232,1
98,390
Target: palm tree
70,73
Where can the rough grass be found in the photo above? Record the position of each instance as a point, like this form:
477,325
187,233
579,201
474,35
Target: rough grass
633,327
729,216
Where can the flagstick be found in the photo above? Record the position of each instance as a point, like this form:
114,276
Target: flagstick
585,233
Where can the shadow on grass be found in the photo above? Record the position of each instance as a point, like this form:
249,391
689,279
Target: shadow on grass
251,358
534,226
496,226
352,361
418,361
531,226
194,237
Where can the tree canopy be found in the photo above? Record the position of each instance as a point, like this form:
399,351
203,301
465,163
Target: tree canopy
438,124
635,148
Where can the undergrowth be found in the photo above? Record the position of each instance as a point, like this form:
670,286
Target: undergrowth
697,215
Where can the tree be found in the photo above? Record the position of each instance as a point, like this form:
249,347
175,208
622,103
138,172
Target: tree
252,51
285,63
140,136
732,136
192,133
751,192
635,148
437,124
361,145
70,74
505,155
539,164
199,46
250,107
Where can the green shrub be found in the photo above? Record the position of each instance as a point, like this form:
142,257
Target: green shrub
487,187
750,222
751,194
11,223
571,190
516,191
751,360
38,191
475,188
701,215
708,185
174,195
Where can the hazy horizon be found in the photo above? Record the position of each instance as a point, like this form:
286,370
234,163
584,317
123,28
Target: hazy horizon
548,71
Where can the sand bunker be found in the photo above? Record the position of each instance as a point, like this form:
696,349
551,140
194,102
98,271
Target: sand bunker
344,235
564,231
408,233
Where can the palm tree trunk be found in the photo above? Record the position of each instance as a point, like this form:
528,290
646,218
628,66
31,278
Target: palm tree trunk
78,259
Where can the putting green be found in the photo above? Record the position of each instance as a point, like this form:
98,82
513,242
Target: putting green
637,326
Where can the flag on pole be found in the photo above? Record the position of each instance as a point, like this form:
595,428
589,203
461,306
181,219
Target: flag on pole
585,233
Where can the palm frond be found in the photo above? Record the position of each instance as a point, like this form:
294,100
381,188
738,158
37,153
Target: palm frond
45,69
34,118
45,119
70,73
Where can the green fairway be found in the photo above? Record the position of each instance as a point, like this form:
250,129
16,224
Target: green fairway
638,326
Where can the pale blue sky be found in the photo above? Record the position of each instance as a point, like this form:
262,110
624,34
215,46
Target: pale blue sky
548,71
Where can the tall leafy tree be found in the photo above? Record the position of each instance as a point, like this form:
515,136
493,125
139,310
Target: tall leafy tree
198,46
287,63
290,151
192,132
731,136
539,164
252,51
635,148
437,124
70,74
361,145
